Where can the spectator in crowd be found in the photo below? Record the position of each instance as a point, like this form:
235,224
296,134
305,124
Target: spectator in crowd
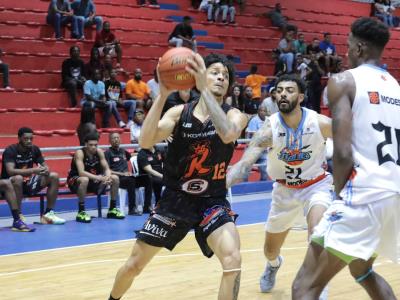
180,97
255,124
153,3
280,65
137,89
242,5
150,161
287,50
137,126
278,20
87,123
314,87
225,6
269,103
90,174
5,71
25,166
118,159
7,192
329,51
255,81
383,10
85,11
94,63
208,6
249,103
300,46
154,86
183,36
234,98
107,43
114,94
73,74
60,14
302,66
314,48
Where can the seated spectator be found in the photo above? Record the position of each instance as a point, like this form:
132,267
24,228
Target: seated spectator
150,162
226,6
114,94
278,20
25,166
137,89
255,124
286,48
60,14
85,11
5,71
300,46
250,105
95,96
154,86
90,174
87,124
107,43
208,6
383,10
280,65
269,103
255,81
180,97
7,192
136,127
234,98
73,74
329,51
118,159
153,3
182,35
94,63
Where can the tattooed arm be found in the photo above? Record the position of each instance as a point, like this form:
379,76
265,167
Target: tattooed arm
260,141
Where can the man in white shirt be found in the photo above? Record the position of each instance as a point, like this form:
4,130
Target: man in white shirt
137,126
154,86
270,103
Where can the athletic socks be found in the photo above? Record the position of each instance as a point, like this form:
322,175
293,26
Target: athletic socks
15,214
111,298
275,263
113,204
81,206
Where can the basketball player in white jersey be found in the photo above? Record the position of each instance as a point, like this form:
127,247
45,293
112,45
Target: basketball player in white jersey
364,220
296,139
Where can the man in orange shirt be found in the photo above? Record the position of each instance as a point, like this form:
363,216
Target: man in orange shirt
138,90
255,81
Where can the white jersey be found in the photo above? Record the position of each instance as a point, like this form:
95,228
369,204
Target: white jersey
297,158
375,137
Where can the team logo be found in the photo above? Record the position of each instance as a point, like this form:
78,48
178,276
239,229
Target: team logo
201,151
335,216
294,157
195,186
373,97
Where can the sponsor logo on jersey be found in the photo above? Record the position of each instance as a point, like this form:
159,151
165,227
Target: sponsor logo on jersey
281,134
335,216
187,125
154,230
200,152
390,100
195,186
296,156
373,97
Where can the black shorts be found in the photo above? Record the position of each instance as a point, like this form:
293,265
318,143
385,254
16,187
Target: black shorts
177,213
32,185
93,187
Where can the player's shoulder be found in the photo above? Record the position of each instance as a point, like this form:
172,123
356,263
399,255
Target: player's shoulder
342,79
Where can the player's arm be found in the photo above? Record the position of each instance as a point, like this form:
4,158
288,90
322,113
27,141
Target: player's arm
12,171
81,167
261,140
325,125
341,89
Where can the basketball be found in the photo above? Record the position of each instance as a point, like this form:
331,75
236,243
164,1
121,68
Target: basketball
172,69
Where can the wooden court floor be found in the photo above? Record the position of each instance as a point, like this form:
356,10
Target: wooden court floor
88,272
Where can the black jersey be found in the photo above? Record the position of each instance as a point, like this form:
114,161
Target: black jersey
197,159
92,165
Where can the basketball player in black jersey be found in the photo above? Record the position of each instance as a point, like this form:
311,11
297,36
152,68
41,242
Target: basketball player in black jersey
204,133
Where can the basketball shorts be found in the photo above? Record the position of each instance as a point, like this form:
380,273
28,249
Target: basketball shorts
177,213
93,187
32,185
289,203
361,231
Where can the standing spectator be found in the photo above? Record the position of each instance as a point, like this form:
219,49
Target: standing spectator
329,51
87,124
302,67
234,99
180,97
226,6
269,103
137,126
137,89
287,49
24,165
280,65
59,14
154,86
73,74
118,159
150,162
90,173
300,46
250,105
85,11
5,71
278,20
114,93
182,35
94,63
107,43
314,87
208,6
255,81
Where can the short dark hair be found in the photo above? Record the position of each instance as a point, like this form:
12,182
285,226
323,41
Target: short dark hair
291,77
187,18
91,136
72,48
371,31
24,130
326,34
253,69
220,58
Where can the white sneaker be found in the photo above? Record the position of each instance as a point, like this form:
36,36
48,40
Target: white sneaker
129,124
51,218
121,124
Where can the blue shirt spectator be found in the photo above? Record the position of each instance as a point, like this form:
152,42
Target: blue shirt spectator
326,45
96,90
85,12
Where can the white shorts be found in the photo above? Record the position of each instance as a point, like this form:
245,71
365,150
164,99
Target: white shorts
112,51
288,203
361,231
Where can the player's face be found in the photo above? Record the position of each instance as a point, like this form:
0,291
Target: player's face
91,146
218,79
115,140
288,96
26,140
353,50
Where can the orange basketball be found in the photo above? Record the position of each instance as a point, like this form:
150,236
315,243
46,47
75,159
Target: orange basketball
172,69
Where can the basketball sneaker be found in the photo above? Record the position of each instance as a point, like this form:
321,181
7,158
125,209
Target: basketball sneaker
51,218
83,217
20,226
267,280
115,213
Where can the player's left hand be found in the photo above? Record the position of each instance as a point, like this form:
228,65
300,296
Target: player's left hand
197,68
